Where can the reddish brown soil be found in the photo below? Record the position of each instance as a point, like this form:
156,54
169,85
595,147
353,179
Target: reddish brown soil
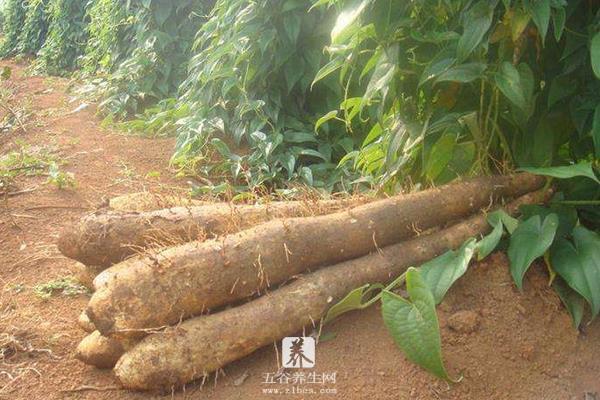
506,344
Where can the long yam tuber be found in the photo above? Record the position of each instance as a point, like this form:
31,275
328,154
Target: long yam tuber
106,238
204,344
147,201
188,280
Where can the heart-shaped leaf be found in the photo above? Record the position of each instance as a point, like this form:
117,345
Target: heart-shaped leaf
571,299
578,263
414,324
509,82
540,11
463,73
595,54
529,241
477,22
440,273
486,245
583,168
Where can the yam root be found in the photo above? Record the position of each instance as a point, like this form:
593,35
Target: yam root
146,201
100,351
84,323
187,280
109,237
204,344
85,274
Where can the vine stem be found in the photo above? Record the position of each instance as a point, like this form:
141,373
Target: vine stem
578,202
397,282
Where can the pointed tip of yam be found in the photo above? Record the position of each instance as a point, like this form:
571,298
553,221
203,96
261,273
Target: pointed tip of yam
99,351
143,370
84,323
68,242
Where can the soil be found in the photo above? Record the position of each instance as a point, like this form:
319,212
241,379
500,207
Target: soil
505,344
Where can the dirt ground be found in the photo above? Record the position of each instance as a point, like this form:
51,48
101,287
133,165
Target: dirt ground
506,344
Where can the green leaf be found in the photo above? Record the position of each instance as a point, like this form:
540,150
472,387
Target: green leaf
574,303
440,155
578,263
369,65
414,324
345,22
435,68
441,272
299,137
519,22
540,12
312,153
596,130
477,22
463,73
529,241
567,216
293,71
509,82
595,54
509,222
162,12
328,69
6,73
383,74
221,147
355,300
489,243
325,118
307,175
561,87
583,168
559,17
292,24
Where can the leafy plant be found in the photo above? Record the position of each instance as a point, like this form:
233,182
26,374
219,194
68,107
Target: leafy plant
555,233
151,53
465,87
35,28
67,36
67,286
60,179
14,16
110,36
414,325
251,105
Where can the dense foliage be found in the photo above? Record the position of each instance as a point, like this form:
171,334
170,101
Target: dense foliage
251,79
449,88
67,35
14,15
35,28
110,36
149,59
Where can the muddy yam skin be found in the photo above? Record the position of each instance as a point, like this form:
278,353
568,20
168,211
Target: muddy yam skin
108,237
204,344
191,279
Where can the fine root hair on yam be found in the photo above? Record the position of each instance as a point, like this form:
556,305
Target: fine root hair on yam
187,280
107,238
202,345
147,201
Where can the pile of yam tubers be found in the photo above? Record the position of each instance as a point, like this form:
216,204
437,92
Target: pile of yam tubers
231,279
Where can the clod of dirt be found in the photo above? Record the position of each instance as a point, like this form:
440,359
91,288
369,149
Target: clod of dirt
464,321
